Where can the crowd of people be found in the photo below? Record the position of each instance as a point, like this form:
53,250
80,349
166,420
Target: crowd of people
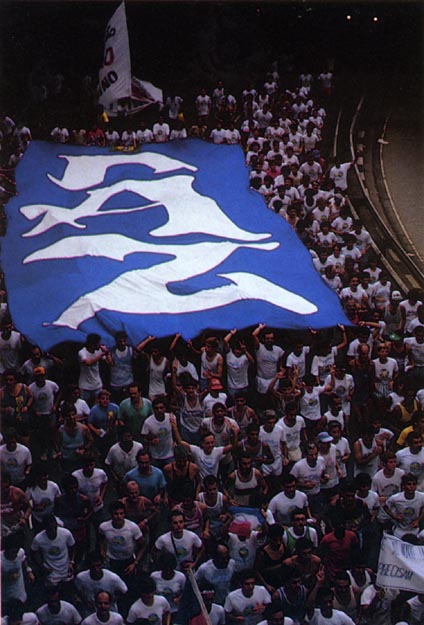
266,463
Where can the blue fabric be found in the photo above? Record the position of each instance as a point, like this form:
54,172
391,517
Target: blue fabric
169,239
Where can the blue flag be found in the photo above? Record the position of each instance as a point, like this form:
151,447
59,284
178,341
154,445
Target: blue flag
169,239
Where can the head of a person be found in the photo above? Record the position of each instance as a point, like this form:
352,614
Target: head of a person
143,459
218,412
93,341
103,602
147,590
117,513
208,443
177,523
159,408
134,392
289,484
103,398
247,582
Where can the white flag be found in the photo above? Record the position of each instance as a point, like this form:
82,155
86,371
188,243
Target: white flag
400,565
115,75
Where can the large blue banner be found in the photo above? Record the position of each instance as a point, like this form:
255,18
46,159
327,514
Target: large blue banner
169,239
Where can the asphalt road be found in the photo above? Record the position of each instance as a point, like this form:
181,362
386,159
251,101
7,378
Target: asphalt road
403,164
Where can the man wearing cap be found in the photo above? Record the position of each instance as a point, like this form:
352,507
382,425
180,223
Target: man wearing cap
215,396
328,452
46,398
392,316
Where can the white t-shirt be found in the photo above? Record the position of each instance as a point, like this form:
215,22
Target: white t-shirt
12,577
161,430
412,463
67,614
298,361
152,613
169,588
236,603
302,471
267,360
114,619
273,439
237,371
409,508
217,614
243,552
282,506
338,618
184,546
417,610
161,132
42,501
88,587
91,486
321,364
209,402
292,433
342,448
309,403
120,542
330,460
15,462
207,463
10,352
122,461
28,618
89,378
43,396
55,553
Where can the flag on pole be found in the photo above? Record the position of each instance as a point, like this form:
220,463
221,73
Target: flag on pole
168,239
115,74
119,92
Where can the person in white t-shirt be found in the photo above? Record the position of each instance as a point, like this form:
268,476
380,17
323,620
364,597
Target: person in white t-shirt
237,359
411,458
161,130
406,508
121,457
89,358
207,456
414,610
268,358
338,174
56,611
53,550
203,106
15,458
249,601
283,504
60,135
157,434
96,578
123,541
325,614
184,544
103,614
169,582
14,569
310,473
151,608
143,134
92,482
